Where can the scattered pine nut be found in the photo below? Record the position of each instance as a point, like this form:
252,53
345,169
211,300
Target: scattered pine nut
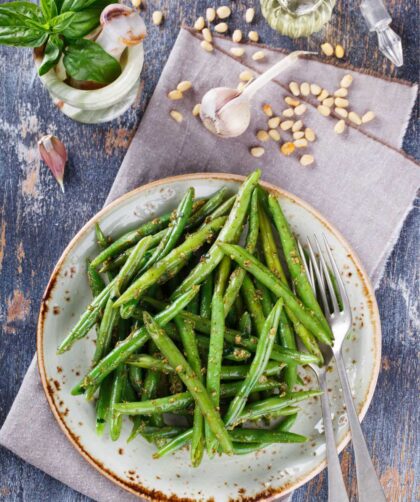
324,110
253,36
342,112
298,135
306,160
315,89
175,94
328,101
184,86
196,110
237,36
367,117
237,51
210,14
273,122
135,3
309,134
257,151
287,148
327,49
291,101
246,76
289,112
301,143
340,126
223,12
263,135
267,110
207,46
208,37
300,109
339,51
176,115
305,89
199,23
274,134
249,15
341,93
157,17
297,126
346,81
257,56
294,88
323,95
341,102
286,125
354,117
221,27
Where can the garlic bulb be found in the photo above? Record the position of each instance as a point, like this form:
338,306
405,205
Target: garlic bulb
121,27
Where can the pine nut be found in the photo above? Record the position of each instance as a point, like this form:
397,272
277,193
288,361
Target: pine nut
267,110
315,89
206,46
157,17
286,125
301,143
341,102
305,89
237,51
340,126
341,93
249,15
176,115
241,86
196,110
199,23
245,76
309,134
294,88
274,134
175,94
289,112
221,27
262,135
346,81
323,95
184,86
287,148
297,126
253,36
257,151
210,14
298,135
291,101
324,110
300,109
257,56
208,37
327,49
342,112
237,36
273,122
328,102
306,160
354,117
135,3
223,12
339,51
367,117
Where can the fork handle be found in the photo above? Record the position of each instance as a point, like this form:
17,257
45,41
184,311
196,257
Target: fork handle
336,488
368,485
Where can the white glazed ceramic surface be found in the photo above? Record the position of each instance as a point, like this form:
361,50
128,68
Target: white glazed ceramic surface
275,470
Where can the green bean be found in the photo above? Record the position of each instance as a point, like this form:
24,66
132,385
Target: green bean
237,354
133,343
257,410
149,362
190,379
223,209
118,385
245,324
150,387
237,276
265,297
240,372
258,365
178,442
135,376
206,297
229,233
169,262
167,432
211,205
95,280
214,361
257,269
103,404
106,328
265,436
253,303
101,239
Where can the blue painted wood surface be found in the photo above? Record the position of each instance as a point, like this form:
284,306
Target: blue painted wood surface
36,222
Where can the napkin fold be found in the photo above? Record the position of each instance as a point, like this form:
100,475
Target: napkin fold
359,181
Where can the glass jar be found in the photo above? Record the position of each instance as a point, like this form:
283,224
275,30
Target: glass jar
297,18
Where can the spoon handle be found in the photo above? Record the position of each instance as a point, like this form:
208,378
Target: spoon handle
267,76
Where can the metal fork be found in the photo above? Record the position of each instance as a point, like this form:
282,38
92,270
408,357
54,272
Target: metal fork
340,321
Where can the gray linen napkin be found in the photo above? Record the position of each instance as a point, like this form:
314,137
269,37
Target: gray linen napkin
363,186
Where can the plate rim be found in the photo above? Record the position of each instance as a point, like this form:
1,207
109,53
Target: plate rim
136,488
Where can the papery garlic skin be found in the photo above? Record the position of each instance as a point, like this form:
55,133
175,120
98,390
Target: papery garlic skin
54,154
121,27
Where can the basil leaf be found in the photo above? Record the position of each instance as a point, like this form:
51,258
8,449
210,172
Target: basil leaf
52,54
86,60
78,5
82,23
22,25
48,8
61,22
28,14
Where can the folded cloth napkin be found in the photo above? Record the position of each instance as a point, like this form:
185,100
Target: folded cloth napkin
359,181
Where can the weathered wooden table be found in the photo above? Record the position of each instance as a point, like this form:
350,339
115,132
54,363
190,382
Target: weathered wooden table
37,221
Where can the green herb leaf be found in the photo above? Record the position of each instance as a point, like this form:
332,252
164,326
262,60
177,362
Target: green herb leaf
82,23
79,5
62,21
48,8
52,54
86,60
22,24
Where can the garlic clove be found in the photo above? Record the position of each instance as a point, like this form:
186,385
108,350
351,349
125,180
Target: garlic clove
54,154
121,27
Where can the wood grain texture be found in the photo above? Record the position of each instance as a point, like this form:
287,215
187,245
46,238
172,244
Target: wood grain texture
36,222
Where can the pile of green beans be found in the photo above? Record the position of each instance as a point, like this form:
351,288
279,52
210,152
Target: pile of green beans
195,329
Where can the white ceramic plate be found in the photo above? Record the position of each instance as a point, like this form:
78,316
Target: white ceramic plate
273,471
